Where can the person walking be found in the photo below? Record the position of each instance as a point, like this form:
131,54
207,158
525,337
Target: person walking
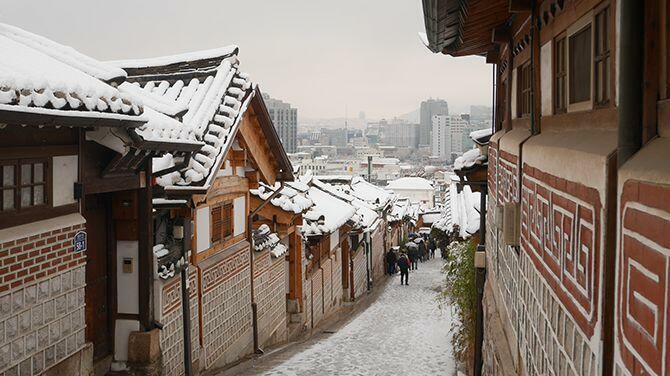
413,254
391,259
422,251
403,265
431,247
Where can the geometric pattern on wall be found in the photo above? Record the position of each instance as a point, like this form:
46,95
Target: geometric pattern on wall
643,293
561,231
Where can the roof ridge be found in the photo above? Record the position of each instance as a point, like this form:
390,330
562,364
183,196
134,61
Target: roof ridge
184,57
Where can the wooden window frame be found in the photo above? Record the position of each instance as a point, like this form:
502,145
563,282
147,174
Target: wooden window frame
605,56
575,28
560,75
46,183
524,99
222,233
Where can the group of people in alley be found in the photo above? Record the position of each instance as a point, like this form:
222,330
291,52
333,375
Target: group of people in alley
403,259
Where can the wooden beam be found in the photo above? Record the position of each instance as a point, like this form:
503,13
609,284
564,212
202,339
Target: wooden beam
251,134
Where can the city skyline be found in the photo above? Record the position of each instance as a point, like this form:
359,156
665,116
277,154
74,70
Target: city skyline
291,34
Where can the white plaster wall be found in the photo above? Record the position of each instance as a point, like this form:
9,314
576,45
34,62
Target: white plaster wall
122,329
127,283
334,239
239,171
65,169
513,99
546,79
202,229
227,170
240,213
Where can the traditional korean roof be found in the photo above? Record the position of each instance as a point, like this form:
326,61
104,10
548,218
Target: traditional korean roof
399,210
41,77
461,210
410,183
431,216
462,27
168,261
481,136
292,197
366,218
208,95
263,238
328,212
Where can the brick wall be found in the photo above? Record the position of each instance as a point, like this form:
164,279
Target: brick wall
360,273
226,307
41,300
643,283
270,290
549,292
170,315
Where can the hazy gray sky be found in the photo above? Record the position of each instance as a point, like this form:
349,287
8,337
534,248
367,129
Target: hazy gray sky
318,55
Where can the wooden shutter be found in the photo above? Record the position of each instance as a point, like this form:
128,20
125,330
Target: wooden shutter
227,220
215,213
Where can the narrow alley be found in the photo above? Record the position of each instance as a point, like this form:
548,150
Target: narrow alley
403,332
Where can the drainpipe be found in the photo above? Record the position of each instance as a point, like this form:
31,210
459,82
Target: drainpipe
368,258
185,305
533,84
631,70
254,306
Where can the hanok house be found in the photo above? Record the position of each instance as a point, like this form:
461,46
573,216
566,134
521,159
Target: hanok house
327,253
203,208
75,230
284,218
576,247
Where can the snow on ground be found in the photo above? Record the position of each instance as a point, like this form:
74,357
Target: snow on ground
402,333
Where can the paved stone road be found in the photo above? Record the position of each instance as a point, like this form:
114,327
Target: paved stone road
402,333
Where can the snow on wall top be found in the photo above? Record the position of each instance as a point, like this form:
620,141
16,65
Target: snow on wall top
410,183
36,72
481,134
469,159
210,104
175,59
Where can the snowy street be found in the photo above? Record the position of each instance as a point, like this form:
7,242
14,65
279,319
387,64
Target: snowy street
403,332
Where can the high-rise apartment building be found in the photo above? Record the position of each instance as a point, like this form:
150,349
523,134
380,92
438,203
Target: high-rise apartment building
285,119
447,135
430,108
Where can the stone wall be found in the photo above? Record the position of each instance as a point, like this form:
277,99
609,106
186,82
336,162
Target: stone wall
317,296
42,300
378,252
170,315
226,307
270,291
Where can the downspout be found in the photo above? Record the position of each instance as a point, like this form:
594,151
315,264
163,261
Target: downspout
631,69
368,258
254,306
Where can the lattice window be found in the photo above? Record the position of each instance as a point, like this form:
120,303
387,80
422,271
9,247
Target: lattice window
602,58
24,184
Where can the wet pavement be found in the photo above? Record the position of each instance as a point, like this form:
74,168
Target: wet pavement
403,332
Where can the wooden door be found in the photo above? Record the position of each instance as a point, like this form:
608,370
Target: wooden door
98,275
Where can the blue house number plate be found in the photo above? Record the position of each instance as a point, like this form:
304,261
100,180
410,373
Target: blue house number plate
80,241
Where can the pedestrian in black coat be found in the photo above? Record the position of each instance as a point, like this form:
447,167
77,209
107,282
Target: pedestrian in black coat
391,259
403,265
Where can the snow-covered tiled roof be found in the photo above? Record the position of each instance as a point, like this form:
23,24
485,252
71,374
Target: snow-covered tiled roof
328,213
37,73
410,183
462,210
399,210
292,197
206,92
263,238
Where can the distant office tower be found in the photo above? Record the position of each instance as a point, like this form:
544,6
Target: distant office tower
448,132
430,108
285,119
398,132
